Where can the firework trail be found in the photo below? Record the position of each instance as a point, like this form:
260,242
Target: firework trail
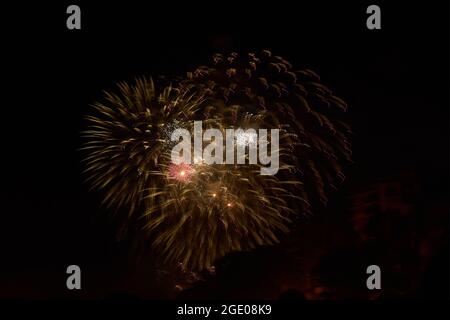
128,137
197,213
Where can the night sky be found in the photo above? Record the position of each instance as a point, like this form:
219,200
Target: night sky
395,81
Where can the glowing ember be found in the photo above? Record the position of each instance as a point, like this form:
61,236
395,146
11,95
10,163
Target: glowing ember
181,172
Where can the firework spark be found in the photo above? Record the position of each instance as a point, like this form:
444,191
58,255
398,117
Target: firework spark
244,138
181,172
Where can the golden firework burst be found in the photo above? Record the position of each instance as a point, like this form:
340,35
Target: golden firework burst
199,212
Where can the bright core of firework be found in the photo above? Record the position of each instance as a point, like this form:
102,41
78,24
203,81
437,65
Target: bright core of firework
182,172
244,138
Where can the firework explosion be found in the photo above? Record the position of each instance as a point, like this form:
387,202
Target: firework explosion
197,213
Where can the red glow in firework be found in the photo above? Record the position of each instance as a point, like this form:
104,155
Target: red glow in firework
181,172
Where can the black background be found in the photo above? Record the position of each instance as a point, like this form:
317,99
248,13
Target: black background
395,81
